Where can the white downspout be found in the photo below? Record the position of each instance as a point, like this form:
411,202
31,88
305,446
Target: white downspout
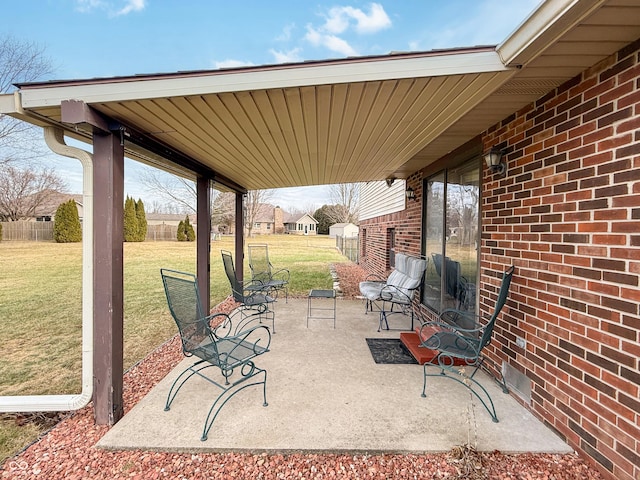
54,136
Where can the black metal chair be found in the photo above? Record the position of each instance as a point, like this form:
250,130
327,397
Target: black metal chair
255,297
263,271
216,343
459,339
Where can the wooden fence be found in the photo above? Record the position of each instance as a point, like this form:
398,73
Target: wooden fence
43,231
348,246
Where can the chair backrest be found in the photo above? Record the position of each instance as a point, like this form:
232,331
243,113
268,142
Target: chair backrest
259,262
229,269
500,301
183,298
408,273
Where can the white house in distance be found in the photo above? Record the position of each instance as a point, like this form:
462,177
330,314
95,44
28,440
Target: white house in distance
300,224
343,230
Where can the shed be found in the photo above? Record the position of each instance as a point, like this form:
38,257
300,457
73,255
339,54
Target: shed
343,230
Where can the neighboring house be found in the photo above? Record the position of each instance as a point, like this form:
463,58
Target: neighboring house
172,219
270,220
566,214
300,224
343,230
47,211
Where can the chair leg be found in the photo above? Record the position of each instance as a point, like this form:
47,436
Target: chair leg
469,382
228,394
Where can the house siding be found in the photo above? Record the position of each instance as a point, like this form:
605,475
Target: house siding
376,198
567,215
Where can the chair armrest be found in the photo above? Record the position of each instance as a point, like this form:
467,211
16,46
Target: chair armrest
388,291
281,274
247,344
375,278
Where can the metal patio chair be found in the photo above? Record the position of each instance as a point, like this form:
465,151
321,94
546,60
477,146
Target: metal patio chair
263,271
459,339
255,297
397,291
215,343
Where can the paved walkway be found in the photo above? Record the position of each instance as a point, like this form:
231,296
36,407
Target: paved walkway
326,394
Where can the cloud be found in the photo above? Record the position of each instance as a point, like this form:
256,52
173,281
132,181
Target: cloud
285,36
339,19
342,20
131,6
86,6
332,42
291,56
231,63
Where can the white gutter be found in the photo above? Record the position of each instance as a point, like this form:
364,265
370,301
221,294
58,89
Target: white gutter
546,24
54,137
124,89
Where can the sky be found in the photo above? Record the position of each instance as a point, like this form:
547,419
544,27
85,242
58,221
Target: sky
106,38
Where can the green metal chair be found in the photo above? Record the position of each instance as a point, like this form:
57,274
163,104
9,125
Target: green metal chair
459,339
255,297
216,343
263,271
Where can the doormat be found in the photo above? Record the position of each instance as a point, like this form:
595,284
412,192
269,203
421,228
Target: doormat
390,351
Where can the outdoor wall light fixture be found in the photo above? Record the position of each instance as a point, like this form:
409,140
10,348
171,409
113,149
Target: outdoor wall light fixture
494,161
390,181
410,194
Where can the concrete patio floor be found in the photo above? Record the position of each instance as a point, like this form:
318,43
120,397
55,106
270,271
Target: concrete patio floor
326,394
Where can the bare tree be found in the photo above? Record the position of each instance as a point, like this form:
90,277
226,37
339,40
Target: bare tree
223,213
252,205
20,62
175,190
344,197
22,191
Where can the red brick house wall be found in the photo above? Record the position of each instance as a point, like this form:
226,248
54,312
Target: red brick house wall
567,215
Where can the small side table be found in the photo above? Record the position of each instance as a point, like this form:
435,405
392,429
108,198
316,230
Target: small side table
321,294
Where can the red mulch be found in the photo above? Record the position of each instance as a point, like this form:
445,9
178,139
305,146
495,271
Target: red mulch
67,451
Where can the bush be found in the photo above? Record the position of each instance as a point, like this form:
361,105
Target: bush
130,225
186,233
142,221
67,227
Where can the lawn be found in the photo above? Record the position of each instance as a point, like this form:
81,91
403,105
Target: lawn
41,317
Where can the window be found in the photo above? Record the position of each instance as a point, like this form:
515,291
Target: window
450,226
312,227
391,246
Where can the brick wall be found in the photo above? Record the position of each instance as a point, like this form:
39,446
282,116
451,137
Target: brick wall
407,225
567,215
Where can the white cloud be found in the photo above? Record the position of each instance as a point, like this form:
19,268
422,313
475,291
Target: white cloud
339,19
290,56
231,63
86,6
285,36
131,6
332,42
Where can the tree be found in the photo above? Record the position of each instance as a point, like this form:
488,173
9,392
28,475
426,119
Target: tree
23,190
254,199
20,62
142,221
185,233
130,225
344,196
223,214
175,190
181,235
324,219
67,227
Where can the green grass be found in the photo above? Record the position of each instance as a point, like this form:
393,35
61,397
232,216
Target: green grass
41,306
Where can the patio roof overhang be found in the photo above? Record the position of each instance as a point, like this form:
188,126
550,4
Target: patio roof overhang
335,121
